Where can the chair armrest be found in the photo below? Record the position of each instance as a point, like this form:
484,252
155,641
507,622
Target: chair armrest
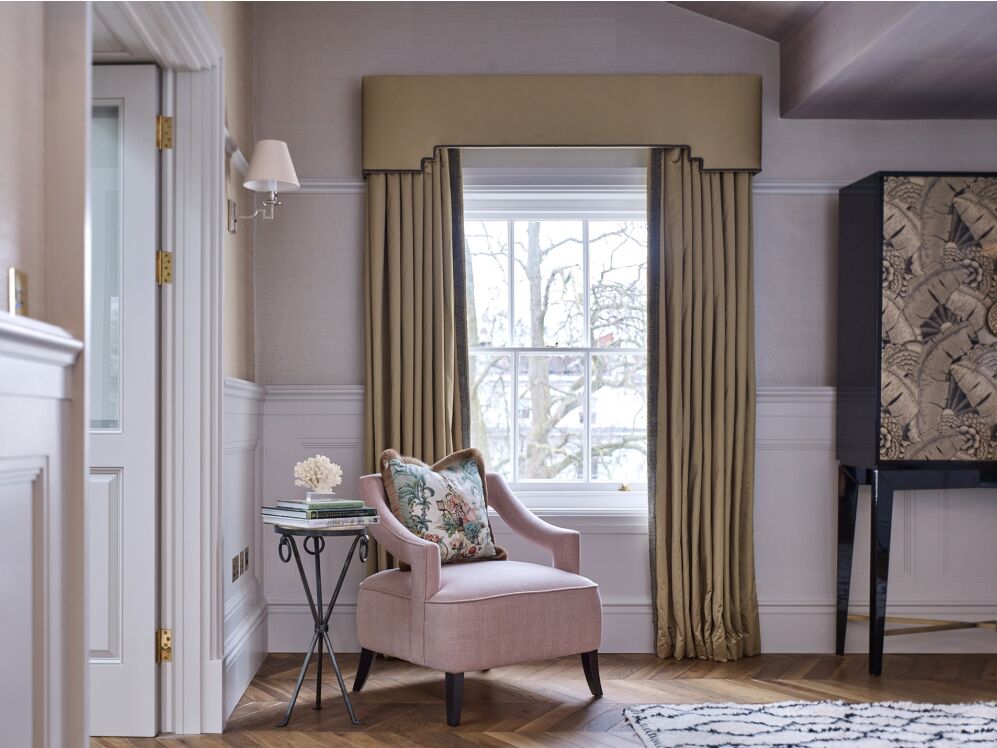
563,544
422,555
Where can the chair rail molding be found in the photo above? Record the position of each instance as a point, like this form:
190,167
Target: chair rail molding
760,186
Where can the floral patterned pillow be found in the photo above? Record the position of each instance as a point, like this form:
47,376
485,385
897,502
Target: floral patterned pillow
444,503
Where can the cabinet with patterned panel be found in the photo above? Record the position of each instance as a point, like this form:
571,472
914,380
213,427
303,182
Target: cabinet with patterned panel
917,359
917,320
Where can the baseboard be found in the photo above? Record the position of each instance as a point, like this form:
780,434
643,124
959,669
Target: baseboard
245,649
811,628
291,627
627,627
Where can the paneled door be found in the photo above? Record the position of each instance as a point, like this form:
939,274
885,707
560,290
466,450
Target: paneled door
122,495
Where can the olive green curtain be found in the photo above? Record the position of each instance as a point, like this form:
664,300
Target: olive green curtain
701,409
415,324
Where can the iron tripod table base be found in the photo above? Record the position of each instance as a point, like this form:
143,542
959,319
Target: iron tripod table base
314,544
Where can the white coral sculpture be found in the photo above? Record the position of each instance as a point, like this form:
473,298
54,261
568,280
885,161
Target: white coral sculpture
318,473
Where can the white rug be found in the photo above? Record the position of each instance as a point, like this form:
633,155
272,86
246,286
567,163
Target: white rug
827,724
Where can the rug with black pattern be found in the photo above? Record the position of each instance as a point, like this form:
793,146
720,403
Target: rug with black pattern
827,724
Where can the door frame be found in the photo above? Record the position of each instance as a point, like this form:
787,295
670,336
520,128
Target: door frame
181,40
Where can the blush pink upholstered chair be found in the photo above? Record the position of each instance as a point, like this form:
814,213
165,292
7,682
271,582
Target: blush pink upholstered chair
475,616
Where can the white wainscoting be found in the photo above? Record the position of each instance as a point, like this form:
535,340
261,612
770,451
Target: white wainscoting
245,615
944,560
37,363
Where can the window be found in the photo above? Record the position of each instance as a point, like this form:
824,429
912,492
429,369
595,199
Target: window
557,325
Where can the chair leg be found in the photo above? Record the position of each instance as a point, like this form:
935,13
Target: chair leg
363,668
590,664
455,697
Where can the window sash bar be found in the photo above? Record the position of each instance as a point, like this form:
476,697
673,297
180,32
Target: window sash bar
556,351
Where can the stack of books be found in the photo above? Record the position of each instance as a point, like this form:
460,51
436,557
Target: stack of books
337,514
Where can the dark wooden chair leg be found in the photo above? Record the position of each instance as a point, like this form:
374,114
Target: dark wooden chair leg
848,499
879,567
590,664
363,668
455,697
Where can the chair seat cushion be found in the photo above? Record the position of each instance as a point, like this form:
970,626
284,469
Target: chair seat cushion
483,616
464,583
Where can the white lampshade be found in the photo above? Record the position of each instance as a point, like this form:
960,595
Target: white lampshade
271,168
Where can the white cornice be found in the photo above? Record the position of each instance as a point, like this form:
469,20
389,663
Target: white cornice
178,36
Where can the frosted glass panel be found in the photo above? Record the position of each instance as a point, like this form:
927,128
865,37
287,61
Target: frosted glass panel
105,313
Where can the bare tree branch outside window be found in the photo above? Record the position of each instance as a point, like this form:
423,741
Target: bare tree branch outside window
557,321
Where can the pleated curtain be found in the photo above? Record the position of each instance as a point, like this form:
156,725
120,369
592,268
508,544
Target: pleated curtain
415,323
701,409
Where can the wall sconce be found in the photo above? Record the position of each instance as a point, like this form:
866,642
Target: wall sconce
270,171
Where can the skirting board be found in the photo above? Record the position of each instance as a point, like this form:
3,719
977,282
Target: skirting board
627,628
245,651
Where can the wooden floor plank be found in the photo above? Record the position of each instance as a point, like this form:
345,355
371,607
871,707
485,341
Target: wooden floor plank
545,704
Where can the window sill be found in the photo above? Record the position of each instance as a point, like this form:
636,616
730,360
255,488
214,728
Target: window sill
581,498
590,520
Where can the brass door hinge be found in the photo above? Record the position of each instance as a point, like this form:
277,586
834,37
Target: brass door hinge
164,132
164,267
164,645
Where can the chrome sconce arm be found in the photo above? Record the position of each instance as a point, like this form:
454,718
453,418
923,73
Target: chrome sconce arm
270,202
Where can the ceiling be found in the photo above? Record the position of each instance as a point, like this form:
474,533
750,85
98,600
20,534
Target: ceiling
773,20
876,60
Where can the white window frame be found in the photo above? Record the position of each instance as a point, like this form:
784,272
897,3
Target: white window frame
611,193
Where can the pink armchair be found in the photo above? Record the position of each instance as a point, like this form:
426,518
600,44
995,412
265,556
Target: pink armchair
475,616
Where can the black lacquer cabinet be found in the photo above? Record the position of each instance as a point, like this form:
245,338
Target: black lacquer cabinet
917,354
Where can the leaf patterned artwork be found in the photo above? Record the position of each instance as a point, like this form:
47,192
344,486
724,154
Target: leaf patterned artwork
939,355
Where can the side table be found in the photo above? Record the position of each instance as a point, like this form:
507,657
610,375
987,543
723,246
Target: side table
314,544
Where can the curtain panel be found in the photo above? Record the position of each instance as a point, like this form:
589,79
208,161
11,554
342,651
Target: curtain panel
416,339
701,409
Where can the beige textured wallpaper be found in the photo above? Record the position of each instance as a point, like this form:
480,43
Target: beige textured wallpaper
22,189
310,59
234,24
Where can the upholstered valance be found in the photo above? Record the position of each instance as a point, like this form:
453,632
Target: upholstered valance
718,117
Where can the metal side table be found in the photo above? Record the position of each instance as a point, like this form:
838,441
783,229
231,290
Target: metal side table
314,544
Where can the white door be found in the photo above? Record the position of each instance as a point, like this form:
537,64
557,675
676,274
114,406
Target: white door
121,499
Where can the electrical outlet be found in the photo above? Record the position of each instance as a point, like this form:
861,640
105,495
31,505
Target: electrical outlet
17,292
235,567
245,559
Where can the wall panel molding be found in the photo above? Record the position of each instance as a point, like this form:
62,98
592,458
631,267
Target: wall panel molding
244,614
795,526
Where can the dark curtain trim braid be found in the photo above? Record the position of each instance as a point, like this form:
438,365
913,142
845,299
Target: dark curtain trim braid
653,286
460,295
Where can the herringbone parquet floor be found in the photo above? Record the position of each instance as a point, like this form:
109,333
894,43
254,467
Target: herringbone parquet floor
548,704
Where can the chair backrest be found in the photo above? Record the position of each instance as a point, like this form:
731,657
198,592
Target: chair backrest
372,492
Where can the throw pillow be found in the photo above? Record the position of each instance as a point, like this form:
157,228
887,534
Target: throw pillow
445,503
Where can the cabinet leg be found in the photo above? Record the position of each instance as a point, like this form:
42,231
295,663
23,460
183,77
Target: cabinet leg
879,567
848,496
